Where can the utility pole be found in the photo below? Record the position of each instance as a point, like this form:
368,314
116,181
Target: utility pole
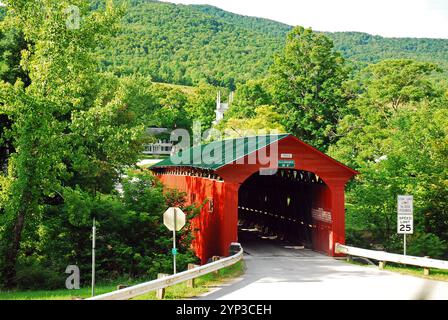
174,242
93,256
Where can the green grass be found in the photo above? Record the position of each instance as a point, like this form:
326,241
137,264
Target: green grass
202,284
435,274
179,291
151,157
62,294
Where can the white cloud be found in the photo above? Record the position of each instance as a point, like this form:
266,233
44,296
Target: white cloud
390,18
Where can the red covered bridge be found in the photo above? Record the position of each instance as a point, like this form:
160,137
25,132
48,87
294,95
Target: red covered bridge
275,181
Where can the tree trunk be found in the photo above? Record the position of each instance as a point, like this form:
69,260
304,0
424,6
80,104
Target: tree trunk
12,252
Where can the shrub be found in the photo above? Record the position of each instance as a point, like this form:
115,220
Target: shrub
427,244
131,238
33,276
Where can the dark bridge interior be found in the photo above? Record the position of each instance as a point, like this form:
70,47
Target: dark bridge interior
279,206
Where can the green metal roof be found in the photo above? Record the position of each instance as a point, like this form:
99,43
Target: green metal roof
217,154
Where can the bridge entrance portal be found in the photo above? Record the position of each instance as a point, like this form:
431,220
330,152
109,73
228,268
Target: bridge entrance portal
281,206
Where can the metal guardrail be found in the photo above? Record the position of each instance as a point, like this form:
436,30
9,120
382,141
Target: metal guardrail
383,256
143,288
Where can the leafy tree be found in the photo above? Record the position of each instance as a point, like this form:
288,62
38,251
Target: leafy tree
178,106
60,129
381,90
202,104
266,120
307,86
248,97
392,83
170,111
11,43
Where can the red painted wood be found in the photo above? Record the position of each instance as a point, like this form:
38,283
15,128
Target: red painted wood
207,224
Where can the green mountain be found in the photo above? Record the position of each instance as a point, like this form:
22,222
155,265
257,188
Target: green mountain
188,44
365,48
183,44
357,46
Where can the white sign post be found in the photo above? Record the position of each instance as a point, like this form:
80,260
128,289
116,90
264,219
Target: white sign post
405,217
93,256
174,220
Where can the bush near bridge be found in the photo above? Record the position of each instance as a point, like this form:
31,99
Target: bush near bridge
132,241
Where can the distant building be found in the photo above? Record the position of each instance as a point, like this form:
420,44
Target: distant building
222,107
161,147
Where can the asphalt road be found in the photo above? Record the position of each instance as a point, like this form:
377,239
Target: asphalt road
275,272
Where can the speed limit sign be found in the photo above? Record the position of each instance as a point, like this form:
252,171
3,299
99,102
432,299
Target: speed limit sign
405,218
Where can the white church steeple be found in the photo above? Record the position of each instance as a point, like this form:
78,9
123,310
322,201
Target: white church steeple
221,107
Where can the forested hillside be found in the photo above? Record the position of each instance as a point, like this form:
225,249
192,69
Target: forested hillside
365,48
182,44
186,44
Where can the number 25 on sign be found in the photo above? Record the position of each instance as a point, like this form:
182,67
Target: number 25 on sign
405,217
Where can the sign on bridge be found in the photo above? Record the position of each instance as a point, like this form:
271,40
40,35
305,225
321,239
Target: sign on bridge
286,163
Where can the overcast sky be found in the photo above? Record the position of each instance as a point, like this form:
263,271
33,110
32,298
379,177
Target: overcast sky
389,18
